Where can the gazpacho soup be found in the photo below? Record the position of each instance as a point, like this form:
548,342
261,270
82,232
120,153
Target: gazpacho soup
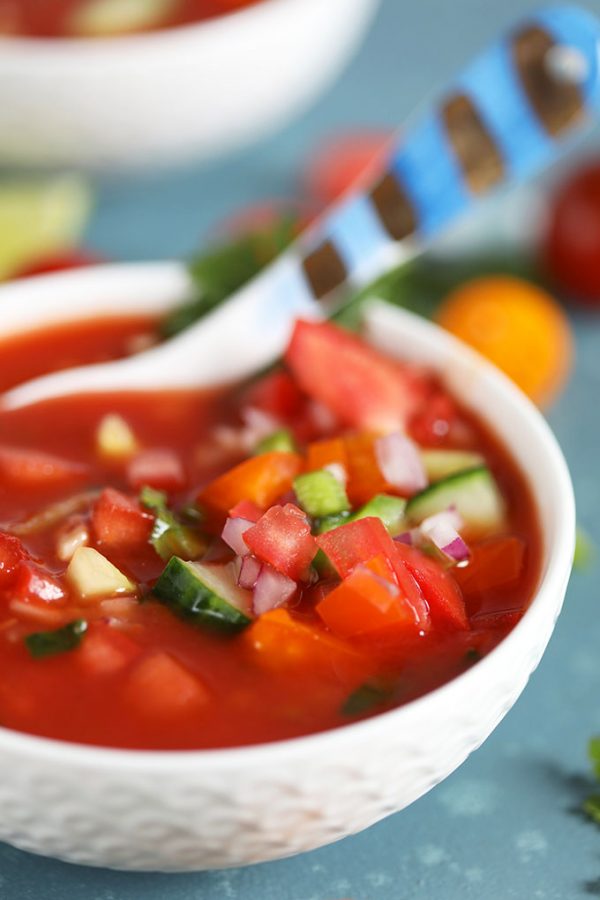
106,18
190,569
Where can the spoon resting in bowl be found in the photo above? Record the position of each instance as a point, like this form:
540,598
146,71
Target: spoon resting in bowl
512,111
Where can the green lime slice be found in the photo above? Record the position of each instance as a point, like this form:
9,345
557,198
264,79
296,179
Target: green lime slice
40,218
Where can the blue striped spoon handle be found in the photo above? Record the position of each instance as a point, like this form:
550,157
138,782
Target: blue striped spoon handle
512,111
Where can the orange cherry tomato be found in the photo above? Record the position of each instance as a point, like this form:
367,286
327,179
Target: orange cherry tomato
516,325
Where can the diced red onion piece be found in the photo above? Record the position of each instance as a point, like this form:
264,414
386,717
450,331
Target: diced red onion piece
442,530
233,532
400,462
272,589
249,572
405,537
259,424
338,471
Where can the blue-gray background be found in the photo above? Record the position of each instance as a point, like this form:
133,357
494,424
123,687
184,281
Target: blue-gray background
507,823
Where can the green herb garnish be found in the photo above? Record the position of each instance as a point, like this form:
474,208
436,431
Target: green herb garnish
472,656
365,698
221,271
169,537
49,643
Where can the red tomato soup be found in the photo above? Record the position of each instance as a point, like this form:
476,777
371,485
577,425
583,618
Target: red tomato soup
105,18
211,569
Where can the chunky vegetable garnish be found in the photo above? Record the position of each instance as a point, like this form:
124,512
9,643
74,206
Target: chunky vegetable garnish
195,570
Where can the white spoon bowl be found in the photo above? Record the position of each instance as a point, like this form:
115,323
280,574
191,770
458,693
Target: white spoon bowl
182,811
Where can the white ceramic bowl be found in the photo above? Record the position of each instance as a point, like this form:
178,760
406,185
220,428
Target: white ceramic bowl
162,97
207,809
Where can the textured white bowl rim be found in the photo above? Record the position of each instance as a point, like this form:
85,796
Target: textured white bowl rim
145,41
559,550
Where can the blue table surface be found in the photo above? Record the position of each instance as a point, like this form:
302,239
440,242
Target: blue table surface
507,824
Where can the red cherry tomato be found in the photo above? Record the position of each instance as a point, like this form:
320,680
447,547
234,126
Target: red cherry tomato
571,249
341,161
75,260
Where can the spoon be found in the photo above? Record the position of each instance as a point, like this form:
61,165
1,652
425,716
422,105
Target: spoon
511,112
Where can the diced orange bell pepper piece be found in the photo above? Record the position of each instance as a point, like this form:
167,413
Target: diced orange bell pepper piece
261,479
282,643
364,475
323,453
369,600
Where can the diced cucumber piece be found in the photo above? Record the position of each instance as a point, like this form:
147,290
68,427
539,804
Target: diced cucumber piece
102,18
439,464
206,595
473,493
391,510
169,537
321,494
93,576
281,440
50,643
114,438
328,523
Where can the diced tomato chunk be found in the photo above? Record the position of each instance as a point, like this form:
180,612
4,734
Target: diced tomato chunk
282,538
494,563
12,552
434,422
160,469
438,586
119,521
361,387
348,545
246,509
370,599
279,642
262,479
33,583
278,395
23,468
106,650
159,687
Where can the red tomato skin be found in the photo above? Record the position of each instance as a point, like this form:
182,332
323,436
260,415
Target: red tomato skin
34,584
571,245
439,588
118,521
24,468
282,538
246,509
354,543
279,395
12,553
357,384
